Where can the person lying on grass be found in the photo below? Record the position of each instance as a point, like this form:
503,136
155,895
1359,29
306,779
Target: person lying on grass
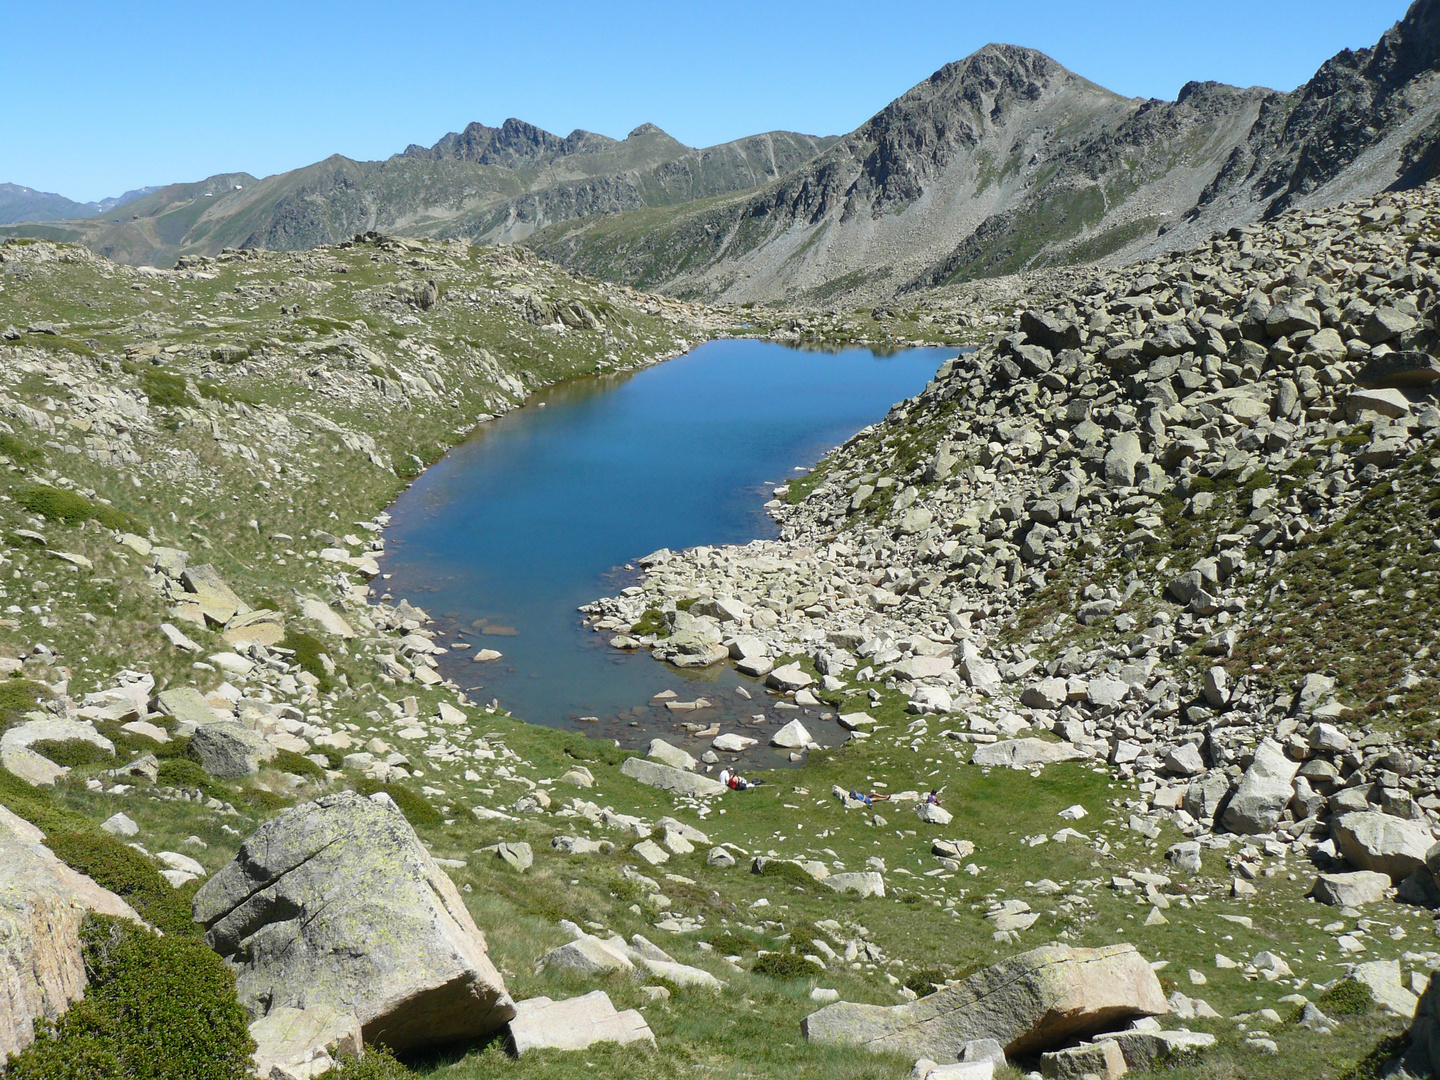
736,782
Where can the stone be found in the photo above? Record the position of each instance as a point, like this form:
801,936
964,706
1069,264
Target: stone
732,743
574,1024
673,756
1029,1003
42,903
792,736
1102,1059
1183,760
1046,694
1265,790
287,912
1352,889
1105,692
982,675
651,852
516,854
305,1042
586,956
789,677
228,750
864,884
120,825
578,776
1025,753
1388,845
1141,1047
1383,979
668,778
681,974
321,613
187,706
933,813
1124,456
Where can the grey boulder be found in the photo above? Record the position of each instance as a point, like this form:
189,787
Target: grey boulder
1025,753
668,778
336,903
1388,845
1265,790
1028,1003
574,1024
228,750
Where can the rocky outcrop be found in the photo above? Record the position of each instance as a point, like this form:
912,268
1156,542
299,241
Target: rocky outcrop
669,778
42,903
1032,1002
335,903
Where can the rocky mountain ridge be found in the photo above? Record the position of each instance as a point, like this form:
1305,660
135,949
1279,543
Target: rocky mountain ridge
1005,160
482,184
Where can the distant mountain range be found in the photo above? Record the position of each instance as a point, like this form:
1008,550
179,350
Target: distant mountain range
26,204
493,185
1001,161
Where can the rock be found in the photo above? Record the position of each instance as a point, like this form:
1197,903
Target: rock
120,825
516,854
866,884
933,813
718,856
1217,688
673,756
1102,1059
42,903
789,677
187,706
670,779
574,1024
1105,692
228,750
1390,403
681,974
291,1042
308,885
1388,845
651,852
1120,463
1383,979
981,674
317,611
1046,694
1143,1047
586,956
1025,753
1352,889
792,736
732,743
1029,1003
1265,790
1184,760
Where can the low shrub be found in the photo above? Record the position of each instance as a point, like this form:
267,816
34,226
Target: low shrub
20,452
17,697
291,762
377,1064
651,622
785,966
184,772
156,1008
416,808
307,649
1348,997
729,944
72,508
164,389
925,981
72,753
118,867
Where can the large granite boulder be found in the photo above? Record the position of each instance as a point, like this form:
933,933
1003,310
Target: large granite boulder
335,903
1382,843
1033,1002
669,778
1265,790
574,1024
229,750
42,903
1025,753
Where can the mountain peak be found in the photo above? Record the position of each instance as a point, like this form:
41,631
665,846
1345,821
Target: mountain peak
644,129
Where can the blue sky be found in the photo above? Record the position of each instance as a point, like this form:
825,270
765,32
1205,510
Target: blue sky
99,98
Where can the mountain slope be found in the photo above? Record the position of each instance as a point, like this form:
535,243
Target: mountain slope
1006,160
483,184
26,204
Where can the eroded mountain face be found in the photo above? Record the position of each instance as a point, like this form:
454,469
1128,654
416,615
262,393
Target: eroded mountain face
1006,161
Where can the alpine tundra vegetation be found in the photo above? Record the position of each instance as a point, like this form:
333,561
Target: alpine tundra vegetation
1106,665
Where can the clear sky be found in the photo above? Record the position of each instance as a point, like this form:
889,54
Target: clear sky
98,98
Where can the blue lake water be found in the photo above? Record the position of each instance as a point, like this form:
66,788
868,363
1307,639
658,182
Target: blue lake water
541,510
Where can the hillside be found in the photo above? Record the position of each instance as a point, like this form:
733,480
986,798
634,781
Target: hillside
483,184
1140,588
1006,160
